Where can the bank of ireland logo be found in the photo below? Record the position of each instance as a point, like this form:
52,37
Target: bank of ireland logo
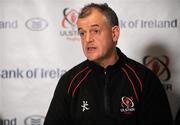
36,24
127,105
68,24
159,65
34,120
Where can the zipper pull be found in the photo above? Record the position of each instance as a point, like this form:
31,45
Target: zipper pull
105,71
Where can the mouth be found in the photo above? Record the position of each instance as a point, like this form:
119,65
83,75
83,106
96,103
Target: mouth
91,49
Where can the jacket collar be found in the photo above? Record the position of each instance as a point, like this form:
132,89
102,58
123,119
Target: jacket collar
122,59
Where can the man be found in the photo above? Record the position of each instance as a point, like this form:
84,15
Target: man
108,87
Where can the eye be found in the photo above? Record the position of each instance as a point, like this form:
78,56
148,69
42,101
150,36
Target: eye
95,31
81,34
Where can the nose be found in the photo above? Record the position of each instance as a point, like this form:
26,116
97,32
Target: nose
89,37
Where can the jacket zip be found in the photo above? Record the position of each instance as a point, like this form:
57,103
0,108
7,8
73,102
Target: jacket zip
106,96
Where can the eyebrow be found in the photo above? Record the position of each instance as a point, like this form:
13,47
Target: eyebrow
94,25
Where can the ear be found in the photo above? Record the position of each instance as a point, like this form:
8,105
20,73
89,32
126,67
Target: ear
115,33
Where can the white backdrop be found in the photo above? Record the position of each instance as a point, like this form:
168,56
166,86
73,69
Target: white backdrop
39,42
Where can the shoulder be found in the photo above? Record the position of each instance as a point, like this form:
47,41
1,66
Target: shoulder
78,68
142,69
68,76
147,76
71,73
135,66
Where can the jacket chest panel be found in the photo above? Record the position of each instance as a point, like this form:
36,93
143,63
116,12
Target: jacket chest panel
89,100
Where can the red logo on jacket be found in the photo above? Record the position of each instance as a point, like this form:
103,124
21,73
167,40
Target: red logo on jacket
127,105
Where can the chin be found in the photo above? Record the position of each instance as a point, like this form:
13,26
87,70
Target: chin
91,59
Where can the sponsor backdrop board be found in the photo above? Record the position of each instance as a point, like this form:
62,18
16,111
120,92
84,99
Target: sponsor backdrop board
39,43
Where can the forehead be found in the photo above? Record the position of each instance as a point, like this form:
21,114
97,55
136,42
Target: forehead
94,18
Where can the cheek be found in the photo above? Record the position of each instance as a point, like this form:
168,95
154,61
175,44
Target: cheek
105,41
83,44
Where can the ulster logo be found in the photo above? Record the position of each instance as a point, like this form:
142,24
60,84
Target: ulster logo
70,18
68,23
159,65
127,105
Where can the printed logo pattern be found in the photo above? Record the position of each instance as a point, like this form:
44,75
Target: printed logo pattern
70,18
159,65
127,105
85,106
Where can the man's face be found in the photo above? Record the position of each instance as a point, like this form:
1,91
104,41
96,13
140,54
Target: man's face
97,36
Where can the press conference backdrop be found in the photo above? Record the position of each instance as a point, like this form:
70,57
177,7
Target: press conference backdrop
39,43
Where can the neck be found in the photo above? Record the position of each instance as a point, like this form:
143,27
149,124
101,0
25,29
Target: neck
110,61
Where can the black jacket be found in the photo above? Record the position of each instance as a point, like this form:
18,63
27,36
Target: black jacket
125,93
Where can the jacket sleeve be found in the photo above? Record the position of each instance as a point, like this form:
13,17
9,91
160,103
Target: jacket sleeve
58,111
154,108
